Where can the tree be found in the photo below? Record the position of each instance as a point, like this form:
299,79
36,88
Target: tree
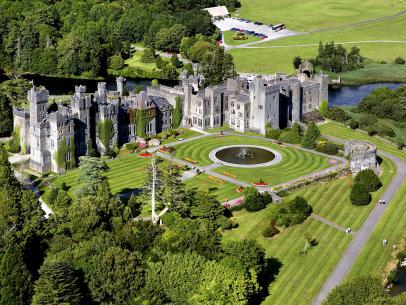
176,62
57,284
254,200
140,124
15,279
359,194
369,179
6,113
296,62
337,114
117,277
160,63
360,291
148,56
323,108
292,212
311,135
168,39
353,124
91,175
292,135
16,91
399,61
116,62
216,67
177,113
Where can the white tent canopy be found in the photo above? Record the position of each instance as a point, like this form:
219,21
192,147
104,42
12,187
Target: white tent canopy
218,11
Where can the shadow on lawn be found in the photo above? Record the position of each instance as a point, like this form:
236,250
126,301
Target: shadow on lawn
273,265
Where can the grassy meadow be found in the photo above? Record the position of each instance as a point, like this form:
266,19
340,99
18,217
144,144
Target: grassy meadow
311,15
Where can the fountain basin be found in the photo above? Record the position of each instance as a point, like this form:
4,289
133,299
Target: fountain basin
254,156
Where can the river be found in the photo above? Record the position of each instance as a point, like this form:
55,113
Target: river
352,95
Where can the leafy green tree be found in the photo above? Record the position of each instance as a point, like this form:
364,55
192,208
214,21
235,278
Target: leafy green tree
160,63
360,291
337,114
15,279
177,113
168,39
359,194
353,124
310,136
400,61
140,124
118,276
176,62
16,91
148,56
217,66
296,62
6,113
292,212
369,179
292,135
57,284
323,108
254,200
91,175
116,62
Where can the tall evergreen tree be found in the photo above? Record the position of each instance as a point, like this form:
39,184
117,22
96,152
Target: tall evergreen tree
57,284
311,135
15,279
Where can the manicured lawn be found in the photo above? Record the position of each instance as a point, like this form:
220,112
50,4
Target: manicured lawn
135,62
378,40
392,227
295,163
222,190
341,131
228,39
300,277
331,200
186,133
125,174
309,15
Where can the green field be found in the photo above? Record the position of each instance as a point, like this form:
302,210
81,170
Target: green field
135,62
392,227
295,163
228,39
341,131
186,133
310,15
222,190
381,40
300,277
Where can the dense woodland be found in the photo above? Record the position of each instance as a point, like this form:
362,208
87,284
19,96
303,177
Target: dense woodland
92,251
77,37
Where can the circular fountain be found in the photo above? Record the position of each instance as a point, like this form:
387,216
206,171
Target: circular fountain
247,156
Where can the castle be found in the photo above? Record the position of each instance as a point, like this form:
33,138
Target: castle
74,130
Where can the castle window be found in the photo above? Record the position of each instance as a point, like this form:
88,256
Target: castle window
260,107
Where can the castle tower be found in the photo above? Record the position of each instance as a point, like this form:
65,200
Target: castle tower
323,81
296,104
101,92
187,90
120,85
38,99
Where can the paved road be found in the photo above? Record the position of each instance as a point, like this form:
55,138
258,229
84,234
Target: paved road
329,223
362,236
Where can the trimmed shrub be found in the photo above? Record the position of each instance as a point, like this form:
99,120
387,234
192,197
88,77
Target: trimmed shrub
359,195
293,212
353,124
292,135
254,200
369,179
327,148
311,135
270,230
371,130
399,60
116,62
337,114
273,133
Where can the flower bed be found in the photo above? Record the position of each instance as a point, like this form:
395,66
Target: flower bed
190,160
215,179
229,175
260,183
145,155
239,189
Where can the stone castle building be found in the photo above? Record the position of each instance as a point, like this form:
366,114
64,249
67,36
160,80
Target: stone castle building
42,131
240,103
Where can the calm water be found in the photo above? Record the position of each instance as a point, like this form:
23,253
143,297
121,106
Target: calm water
351,96
253,155
62,86
400,286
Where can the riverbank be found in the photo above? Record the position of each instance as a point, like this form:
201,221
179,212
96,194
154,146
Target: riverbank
373,73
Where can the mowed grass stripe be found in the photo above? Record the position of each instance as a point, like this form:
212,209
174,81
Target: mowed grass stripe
392,226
